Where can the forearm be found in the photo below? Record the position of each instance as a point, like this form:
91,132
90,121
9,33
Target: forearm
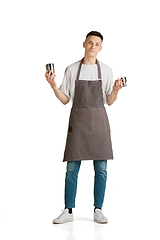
60,95
112,97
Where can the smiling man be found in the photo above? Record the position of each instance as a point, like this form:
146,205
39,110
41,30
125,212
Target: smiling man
89,84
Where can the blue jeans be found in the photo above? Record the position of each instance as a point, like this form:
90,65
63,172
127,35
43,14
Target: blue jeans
100,178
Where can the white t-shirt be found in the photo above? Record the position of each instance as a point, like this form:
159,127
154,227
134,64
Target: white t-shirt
88,72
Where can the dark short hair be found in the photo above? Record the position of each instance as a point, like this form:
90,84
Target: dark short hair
95,33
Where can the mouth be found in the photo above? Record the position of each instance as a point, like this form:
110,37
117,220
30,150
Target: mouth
91,50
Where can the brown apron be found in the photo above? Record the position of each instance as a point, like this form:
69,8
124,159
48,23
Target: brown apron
88,135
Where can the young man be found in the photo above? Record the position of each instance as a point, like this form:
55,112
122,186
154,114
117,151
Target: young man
89,84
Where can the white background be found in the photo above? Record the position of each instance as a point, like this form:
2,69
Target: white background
33,122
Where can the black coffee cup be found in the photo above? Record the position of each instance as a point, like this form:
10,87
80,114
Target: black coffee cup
49,67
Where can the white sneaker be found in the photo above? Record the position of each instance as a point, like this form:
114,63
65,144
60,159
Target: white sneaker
99,216
64,217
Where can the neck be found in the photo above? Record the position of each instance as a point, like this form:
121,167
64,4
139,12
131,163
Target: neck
89,60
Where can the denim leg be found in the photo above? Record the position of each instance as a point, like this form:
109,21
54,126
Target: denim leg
71,183
100,178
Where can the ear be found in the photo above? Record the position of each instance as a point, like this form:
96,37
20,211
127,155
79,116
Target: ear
100,48
84,44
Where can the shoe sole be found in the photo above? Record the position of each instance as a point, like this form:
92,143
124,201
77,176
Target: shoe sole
100,222
62,222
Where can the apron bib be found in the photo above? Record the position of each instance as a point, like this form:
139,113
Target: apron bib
88,136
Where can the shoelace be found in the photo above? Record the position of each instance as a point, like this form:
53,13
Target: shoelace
61,214
100,214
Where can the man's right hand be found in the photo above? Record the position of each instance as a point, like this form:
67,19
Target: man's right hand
51,79
60,95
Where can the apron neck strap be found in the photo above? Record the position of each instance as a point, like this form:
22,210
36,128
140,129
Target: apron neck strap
98,67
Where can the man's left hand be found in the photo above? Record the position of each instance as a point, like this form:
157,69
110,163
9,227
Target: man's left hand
117,85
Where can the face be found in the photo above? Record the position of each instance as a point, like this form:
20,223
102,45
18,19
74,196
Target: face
92,46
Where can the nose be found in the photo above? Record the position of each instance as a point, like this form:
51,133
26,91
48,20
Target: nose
93,45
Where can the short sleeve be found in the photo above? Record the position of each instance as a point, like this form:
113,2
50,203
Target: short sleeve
65,86
110,83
